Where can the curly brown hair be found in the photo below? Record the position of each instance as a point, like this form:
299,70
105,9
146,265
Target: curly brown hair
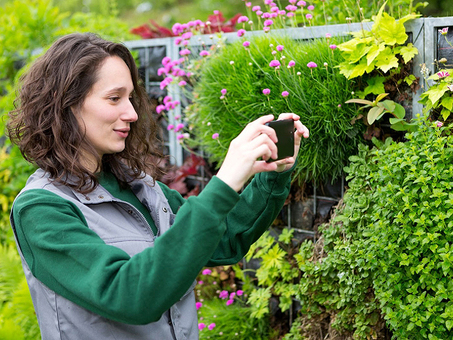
47,131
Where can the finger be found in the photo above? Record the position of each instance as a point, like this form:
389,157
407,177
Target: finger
265,140
261,166
288,115
256,128
301,129
264,151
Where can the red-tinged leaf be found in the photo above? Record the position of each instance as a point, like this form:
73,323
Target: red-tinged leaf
374,113
359,101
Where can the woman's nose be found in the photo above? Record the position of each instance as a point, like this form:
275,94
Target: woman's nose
130,115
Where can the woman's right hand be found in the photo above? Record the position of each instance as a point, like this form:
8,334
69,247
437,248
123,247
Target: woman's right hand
248,153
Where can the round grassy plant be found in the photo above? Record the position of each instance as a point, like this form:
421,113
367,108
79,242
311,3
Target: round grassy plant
241,83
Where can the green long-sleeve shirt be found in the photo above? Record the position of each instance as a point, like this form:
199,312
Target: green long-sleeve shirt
64,254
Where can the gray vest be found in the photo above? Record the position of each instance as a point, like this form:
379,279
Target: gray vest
121,225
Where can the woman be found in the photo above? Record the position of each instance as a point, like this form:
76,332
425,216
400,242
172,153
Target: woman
108,252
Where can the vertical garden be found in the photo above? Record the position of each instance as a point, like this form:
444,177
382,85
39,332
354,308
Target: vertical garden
374,263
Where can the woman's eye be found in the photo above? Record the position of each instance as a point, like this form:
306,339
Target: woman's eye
114,99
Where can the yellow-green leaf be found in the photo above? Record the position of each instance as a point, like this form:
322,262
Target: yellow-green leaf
408,52
374,52
390,31
447,102
445,114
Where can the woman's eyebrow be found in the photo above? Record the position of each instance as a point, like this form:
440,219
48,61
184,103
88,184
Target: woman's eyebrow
119,89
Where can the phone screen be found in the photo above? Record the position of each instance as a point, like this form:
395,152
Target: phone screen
285,134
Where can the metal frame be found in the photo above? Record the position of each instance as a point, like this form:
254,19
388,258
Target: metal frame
424,38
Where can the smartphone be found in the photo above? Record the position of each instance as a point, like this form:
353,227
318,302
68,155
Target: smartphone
285,133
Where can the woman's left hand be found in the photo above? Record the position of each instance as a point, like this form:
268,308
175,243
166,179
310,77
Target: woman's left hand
300,130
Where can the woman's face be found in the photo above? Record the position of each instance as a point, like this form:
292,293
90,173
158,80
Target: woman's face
107,112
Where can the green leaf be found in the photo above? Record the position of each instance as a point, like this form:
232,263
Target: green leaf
447,102
390,31
389,105
374,52
445,114
374,113
436,92
360,69
408,52
399,111
386,60
410,79
375,86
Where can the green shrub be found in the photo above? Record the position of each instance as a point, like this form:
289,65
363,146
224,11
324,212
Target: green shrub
317,95
26,29
387,253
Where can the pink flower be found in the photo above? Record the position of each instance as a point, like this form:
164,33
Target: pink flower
333,46
223,294
198,305
275,9
311,7
259,13
309,16
243,18
241,32
292,1
216,136
201,326
179,127
248,4
229,302
266,15
439,124
312,64
170,127
232,295
274,63
187,35
290,14
223,91
444,31
216,12
200,282
266,92
280,47
450,87
285,93
328,35
266,29
204,53
301,3
184,52
160,108
166,60
177,28
292,63
182,83
268,22
256,8
178,40
246,43
180,136
267,2
239,292
167,99
207,272
282,12
211,326
443,74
